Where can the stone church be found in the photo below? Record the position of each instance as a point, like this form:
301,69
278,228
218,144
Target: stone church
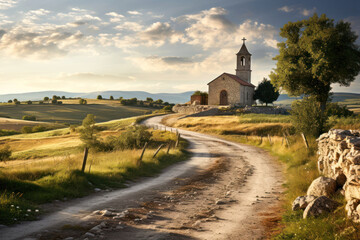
229,89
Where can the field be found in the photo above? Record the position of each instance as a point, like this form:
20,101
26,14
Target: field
71,112
300,164
44,165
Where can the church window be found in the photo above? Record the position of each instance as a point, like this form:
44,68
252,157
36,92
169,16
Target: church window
242,61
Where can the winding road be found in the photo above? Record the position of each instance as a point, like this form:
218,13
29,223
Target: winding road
240,189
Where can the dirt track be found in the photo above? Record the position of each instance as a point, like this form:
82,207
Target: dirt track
225,191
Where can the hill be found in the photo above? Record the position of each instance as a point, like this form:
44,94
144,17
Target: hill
34,96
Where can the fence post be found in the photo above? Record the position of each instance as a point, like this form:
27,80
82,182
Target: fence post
177,140
142,154
158,150
269,139
169,146
286,140
305,140
86,150
261,139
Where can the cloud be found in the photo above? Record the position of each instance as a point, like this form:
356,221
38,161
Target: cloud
78,14
134,13
158,33
130,26
160,64
6,4
286,9
115,17
92,77
308,12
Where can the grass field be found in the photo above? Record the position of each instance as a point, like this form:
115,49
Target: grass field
105,110
301,169
52,170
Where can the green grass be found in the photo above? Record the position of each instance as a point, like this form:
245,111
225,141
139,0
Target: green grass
71,113
37,182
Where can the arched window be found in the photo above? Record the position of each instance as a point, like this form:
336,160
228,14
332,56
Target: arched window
242,61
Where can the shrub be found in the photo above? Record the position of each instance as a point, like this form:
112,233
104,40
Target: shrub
17,102
41,102
54,101
334,109
10,101
39,128
82,101
99,97
29,118
59,102
5,153
73,128
111,98
167,108
29,102
26,129
306,117
88,132
63,97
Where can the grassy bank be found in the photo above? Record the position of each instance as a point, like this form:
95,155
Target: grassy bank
301,170
24,185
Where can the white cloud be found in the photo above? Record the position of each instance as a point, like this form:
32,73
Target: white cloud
131,26
286,9
5,4
161,64
115,17
307,12
158,33
134,13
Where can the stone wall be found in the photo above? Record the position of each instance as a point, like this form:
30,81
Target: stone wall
339,159
194,109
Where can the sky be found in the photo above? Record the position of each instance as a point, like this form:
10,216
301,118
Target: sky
146,45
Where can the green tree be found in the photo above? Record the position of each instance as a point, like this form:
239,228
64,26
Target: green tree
111,98
266,92
10,101
99,97
63,97
29,102
88,131
5,153
149,99
159,101
317,53
82,101
46,99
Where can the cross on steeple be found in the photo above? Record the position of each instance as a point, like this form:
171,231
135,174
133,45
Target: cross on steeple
244,39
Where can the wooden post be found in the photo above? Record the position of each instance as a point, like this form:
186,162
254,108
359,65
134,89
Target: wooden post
282,141
261,137
269,139
286,140
86,151
158,150
305,140
142,153
177,140
169,146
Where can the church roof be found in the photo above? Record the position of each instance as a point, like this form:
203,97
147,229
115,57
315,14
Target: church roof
243,50
236,78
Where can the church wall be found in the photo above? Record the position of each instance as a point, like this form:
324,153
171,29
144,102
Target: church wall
224,83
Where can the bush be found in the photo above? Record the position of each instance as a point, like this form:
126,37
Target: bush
10,101
73,128
111,98
82,101
99,97
26,129
88,132
54,101
17,102
29,118
5,153
59,102
41,102
29,102
334,109
306,117
167,108
39,128
63,97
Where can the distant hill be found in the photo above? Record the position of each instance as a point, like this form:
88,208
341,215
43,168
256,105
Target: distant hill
341,97
167,97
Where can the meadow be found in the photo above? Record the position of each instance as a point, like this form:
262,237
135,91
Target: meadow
300,164
55,173
71,112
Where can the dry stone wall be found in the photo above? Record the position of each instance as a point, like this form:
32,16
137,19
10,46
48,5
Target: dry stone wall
339,159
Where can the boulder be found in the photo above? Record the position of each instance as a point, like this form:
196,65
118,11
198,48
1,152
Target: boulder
302,202
322,186
319,206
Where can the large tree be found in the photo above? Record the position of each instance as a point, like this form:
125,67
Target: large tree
316,53
266,92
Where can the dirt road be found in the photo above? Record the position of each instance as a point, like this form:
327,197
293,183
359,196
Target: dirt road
225,191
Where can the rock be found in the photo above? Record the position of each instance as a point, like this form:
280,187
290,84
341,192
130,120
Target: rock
69,238
88,234
302,202
220,202
97,189
107,213
322,186
319,206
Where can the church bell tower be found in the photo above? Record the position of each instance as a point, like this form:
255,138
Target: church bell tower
243,63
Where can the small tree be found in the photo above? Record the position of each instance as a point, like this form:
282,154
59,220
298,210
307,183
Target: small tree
266,92
29,118
63,97
5,153
10,101
99,97
54,97
15,100
54,101
111,98
159,101
149,99
88,132
82,101
46,99
29,102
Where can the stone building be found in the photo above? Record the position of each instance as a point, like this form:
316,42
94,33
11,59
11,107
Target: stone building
229,89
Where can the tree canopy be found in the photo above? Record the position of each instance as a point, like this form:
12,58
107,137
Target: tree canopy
266,92
317,53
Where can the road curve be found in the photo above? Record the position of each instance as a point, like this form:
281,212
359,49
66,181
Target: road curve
266,178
